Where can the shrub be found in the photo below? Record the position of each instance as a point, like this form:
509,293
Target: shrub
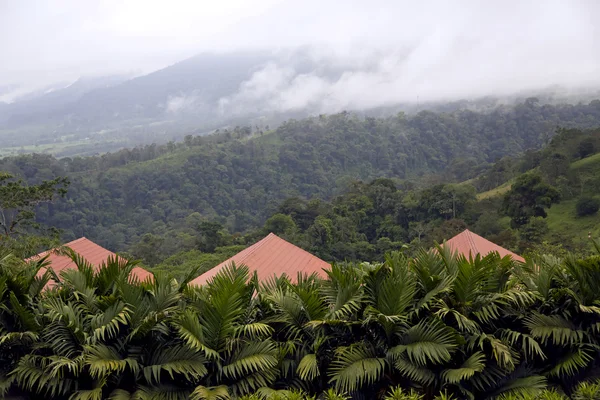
587,206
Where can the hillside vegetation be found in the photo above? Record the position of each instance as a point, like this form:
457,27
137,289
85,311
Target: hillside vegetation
570,162
239,178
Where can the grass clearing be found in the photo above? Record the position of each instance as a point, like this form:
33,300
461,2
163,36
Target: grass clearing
562,218
498,191
591,161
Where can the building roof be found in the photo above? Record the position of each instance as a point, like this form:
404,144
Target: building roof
271,256
468,244
93,253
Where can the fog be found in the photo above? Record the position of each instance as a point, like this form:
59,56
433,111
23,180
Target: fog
390,50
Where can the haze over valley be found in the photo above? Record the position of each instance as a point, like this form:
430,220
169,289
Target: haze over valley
261,65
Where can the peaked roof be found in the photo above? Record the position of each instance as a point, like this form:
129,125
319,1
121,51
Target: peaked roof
468,243
93,253
271,256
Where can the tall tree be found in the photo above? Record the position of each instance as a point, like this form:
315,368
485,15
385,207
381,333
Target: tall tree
19,230
528,197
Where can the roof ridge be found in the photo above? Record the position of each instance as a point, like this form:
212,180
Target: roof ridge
472,241
68,244
76,241
298,247
256,246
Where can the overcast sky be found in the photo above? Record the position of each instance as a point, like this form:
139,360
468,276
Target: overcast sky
553,41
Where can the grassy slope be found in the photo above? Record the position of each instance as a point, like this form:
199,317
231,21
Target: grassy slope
498,191
562,219
591,163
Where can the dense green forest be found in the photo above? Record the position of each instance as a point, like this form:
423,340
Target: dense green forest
432,326
396,318
342,186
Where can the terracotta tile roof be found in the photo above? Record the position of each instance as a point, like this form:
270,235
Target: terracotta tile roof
271,256
89,250
468,243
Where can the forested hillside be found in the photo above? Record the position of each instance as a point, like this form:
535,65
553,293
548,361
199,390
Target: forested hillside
160,196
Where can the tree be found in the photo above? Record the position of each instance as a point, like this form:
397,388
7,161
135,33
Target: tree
280,223
210,236
148,249
587,206
586,148
320,233
534,230
555,166
19,230
528,197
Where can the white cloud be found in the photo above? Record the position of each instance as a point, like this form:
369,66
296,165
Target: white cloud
392,50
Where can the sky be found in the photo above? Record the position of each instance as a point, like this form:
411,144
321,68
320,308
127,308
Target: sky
442,47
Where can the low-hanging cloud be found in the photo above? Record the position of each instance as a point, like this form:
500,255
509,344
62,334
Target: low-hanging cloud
382,51
182,103
450,62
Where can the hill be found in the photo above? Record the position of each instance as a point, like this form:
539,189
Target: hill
570,162
239,177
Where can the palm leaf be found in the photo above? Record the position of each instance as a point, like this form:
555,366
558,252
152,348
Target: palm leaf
417,373
253,357
104,360
429,340
355,367
475,363
190,331
180,360
210,393
527,387
574,361
308,368
558,329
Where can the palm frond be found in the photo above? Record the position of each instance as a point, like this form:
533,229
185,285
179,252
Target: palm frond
252,357
175,360
428,341
104,360
91,394
529,346
210,393
190,331
577,359
106,325
553,327
308,368
415,372
475,363
527,387
355,367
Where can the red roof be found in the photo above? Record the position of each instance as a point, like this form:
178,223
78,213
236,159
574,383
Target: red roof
468,244
89,250
269,257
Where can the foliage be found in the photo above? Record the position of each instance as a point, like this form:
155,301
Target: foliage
587,206
528,197
18,203
237,178
436,326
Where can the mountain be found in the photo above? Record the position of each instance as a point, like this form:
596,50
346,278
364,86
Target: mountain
50,103
208,92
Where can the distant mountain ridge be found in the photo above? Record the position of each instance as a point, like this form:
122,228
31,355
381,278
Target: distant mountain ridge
205,77
210,91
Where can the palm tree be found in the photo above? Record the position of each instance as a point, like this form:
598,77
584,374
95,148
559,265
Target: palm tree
21,285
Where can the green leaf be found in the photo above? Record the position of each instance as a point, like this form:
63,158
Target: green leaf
475,363
355,367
